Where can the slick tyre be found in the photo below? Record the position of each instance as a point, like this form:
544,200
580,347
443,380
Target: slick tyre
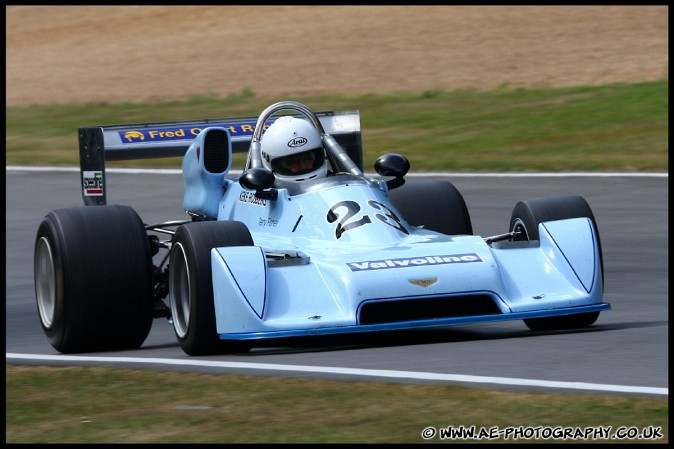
93,279
191,288
435,205
526,217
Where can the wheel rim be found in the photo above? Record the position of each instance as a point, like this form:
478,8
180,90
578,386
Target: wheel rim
45,282
179,291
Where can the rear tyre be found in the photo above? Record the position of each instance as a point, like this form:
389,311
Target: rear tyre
93,279
526,217
191,285
435,205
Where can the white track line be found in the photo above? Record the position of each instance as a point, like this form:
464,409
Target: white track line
175,171
353,372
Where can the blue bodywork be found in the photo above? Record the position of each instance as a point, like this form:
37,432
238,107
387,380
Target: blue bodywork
338,257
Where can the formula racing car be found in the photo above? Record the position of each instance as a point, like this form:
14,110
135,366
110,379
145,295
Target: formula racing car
268,254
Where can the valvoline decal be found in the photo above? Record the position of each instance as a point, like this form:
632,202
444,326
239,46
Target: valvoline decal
183,132
405,262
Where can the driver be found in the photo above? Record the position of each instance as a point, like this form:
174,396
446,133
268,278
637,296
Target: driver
293,150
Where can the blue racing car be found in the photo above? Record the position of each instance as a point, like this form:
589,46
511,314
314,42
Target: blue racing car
301,243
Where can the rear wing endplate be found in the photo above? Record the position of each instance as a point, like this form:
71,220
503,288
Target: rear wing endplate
172,139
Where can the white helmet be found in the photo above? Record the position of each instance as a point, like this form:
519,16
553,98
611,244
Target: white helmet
293,150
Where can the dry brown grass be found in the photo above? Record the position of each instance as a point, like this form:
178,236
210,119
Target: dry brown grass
73,54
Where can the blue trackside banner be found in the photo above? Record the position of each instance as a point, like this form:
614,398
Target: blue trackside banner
406,262
183,132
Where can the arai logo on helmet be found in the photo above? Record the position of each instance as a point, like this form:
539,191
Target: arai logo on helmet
297,142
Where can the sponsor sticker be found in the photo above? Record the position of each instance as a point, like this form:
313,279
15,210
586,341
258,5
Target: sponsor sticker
297,142
92,183
423,282
183,132
406,262
250,198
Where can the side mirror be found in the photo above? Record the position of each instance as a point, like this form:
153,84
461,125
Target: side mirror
392,164
261,180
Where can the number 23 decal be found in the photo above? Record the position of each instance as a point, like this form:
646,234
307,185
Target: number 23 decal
352,208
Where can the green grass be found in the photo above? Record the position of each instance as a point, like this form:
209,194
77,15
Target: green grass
618,127
106,405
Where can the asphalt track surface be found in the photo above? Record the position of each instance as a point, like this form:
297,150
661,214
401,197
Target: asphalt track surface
625,352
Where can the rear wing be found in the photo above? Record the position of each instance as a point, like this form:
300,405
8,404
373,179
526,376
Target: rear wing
172,139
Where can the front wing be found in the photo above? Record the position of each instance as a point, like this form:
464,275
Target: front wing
460,280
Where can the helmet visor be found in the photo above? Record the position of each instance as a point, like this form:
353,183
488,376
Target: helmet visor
299,163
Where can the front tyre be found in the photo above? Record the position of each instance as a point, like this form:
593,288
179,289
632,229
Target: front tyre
191,285
93,279
435,205
526,217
